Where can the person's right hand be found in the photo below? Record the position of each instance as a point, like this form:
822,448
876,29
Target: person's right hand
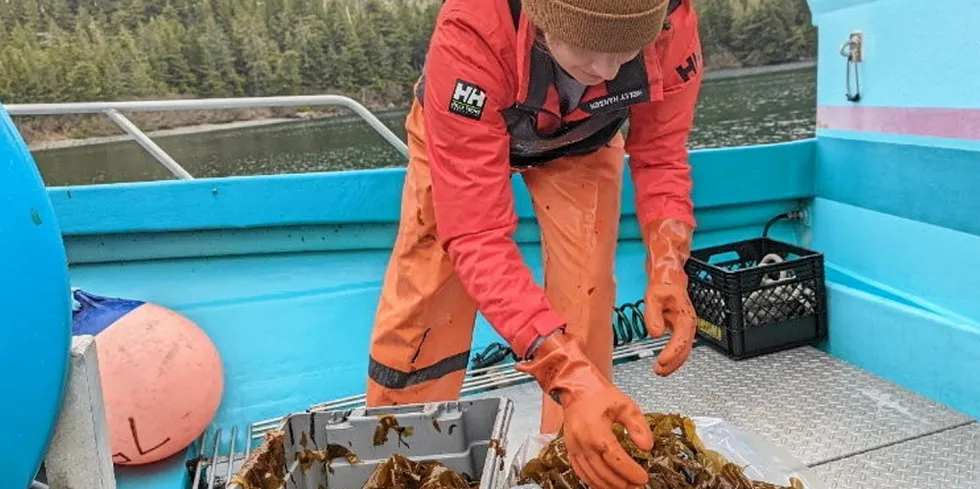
590,404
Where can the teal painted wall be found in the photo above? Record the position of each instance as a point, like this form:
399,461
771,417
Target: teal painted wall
896,208
917,54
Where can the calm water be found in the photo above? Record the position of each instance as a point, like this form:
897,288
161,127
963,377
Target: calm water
731,112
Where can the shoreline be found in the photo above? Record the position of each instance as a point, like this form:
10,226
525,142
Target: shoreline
176,131
728,73
711,75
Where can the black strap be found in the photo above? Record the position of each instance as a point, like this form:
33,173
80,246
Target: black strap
515,11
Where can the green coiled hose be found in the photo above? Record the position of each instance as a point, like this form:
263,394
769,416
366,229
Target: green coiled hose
628,326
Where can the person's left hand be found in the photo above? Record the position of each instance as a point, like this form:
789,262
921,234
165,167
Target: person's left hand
667,304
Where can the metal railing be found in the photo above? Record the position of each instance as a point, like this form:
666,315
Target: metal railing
113,110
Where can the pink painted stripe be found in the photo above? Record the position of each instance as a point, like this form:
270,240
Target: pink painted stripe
946,123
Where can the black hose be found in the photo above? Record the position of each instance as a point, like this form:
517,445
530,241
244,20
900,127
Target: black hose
774,220
628,326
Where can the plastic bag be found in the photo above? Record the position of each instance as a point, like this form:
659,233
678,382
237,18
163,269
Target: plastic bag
531,447
761,460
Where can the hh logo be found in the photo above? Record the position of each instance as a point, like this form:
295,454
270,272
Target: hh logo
468,100
689,67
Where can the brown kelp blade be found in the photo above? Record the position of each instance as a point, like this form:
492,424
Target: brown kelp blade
399,472
678,460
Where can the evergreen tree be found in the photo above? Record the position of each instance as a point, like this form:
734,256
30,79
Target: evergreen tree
211,59
287,81
20,80
60,14
137,81
353,73
715,22
163,38
762,34
256,53
83,82
25,13
314,54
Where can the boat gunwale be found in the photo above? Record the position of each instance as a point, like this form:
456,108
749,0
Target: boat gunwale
771,172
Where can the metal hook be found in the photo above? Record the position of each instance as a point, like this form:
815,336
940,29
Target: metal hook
852,51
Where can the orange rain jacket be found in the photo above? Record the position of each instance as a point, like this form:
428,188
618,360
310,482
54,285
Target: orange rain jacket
491,107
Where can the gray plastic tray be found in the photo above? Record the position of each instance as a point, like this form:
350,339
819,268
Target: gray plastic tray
462,435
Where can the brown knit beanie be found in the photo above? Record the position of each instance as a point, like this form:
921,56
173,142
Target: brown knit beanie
607,26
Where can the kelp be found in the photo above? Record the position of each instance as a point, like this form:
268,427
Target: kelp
265,467
387,423
678,460
398,472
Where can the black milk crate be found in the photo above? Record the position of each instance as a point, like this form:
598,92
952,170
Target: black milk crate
746,309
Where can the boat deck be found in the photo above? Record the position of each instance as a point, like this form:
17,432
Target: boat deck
853,429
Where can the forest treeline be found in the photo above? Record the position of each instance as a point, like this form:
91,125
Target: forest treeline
371,50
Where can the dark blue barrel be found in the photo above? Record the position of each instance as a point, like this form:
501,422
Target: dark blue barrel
35,312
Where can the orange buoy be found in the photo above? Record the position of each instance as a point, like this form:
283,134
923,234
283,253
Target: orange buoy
162,378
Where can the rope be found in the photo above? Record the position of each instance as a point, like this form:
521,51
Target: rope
494,353
75,304
628,326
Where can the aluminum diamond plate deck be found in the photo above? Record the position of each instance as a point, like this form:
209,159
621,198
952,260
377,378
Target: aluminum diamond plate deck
813,405
950,459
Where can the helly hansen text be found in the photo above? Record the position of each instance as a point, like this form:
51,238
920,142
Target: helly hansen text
612,99
468,100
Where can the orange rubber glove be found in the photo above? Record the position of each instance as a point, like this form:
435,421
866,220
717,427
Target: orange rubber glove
590,406
667,302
